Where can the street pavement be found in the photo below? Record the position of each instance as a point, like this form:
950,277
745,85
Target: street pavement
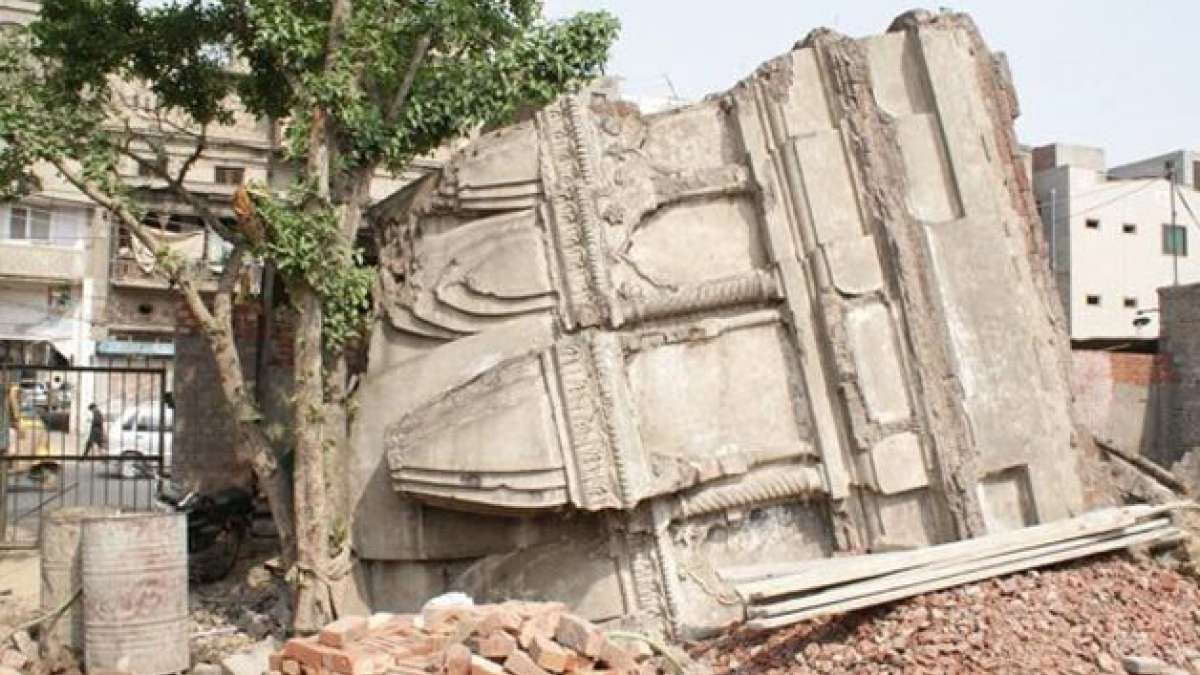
79,483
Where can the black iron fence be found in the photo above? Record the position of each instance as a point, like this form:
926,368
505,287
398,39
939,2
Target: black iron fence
79,436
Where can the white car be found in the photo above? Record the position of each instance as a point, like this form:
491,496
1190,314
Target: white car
136,438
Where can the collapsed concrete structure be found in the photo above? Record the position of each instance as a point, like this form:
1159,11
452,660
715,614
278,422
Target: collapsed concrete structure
807,316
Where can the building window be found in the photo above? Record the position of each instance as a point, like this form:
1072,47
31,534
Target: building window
1196,176
145,170
1131,303
1093,223
26,223
1174,240
229,175
1093,300
1129,228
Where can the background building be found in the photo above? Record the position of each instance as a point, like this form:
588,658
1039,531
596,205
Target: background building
1112,240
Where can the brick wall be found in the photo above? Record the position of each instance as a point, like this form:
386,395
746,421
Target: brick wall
203,449
1119,396
1141,369
1179,322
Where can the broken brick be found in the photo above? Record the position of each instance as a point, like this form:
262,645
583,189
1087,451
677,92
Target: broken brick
445,619
457,660
543,624
344,631
315,656
500,619
579,634
13,659
549,654
519,663
616,657
496,645
482,666
290,667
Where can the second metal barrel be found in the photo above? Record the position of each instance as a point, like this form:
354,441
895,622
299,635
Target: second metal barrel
135,593
61,578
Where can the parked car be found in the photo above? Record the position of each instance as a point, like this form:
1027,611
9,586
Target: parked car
37,392
135,438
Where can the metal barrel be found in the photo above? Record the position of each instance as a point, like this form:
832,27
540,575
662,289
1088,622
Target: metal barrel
135,593
61,578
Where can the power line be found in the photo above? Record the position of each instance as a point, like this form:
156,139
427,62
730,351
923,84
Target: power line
1113,200
1188,207
1067,194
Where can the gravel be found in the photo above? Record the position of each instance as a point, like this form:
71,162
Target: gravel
1081,617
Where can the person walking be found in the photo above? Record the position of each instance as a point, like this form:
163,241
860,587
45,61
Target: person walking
95,437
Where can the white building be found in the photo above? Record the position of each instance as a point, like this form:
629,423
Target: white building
1112,240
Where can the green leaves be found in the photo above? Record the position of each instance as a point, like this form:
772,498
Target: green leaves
390,81
304,242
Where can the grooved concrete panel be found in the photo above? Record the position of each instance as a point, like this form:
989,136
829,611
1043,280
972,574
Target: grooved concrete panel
880,374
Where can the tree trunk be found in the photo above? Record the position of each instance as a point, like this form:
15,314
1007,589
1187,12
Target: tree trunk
313,602
253,446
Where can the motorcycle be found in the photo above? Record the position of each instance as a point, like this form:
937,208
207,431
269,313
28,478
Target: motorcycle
217,525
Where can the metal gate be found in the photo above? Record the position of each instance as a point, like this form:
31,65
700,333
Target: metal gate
79,436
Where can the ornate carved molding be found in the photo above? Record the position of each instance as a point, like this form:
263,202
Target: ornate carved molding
569,177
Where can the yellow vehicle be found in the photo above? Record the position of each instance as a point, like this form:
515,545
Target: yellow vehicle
27,436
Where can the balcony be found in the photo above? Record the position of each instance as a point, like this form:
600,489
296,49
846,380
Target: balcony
30,260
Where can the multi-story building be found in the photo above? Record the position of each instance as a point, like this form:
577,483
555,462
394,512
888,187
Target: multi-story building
74,288
1116,235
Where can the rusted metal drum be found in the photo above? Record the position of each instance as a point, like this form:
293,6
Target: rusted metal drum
61,578
135,593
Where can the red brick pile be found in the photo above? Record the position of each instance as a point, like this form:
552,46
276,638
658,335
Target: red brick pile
517,638
1079,618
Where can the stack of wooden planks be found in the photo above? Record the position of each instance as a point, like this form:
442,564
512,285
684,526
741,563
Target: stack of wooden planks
779,594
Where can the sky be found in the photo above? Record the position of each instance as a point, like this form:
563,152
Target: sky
1118,75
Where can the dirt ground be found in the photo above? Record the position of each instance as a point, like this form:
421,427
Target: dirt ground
20,586
252,603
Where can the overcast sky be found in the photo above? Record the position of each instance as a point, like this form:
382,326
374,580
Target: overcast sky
1121,75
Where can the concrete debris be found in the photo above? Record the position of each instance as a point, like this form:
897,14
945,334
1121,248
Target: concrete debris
462,640
1148,665
253,661
1079,617
238,613
804,318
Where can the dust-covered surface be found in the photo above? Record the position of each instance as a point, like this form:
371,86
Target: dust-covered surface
228,616
1082,617
20,586
234,614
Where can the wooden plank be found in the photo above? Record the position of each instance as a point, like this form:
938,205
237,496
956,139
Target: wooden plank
842,570
872,590
967,577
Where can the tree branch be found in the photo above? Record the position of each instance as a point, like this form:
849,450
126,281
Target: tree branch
201,146
410,75
223,301
160,169
184,281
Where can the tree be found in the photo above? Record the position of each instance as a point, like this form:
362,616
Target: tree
362,85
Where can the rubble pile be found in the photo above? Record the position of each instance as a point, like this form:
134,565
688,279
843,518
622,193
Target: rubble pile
519,638
236,613
1102,615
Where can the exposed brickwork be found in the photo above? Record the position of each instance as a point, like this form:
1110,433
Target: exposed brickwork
203,449
1142,369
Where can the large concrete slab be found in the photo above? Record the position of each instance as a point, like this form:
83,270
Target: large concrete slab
805,316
